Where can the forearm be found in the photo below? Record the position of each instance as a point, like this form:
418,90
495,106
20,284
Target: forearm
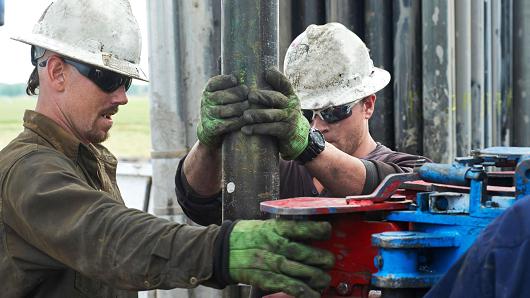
202,169
340,173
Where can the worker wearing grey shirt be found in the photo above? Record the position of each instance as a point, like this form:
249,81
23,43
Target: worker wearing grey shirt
319,114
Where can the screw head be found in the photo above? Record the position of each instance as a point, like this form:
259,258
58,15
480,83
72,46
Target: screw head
343,288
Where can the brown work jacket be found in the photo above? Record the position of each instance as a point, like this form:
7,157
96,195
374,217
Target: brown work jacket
65,231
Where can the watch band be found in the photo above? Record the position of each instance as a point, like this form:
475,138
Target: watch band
315,145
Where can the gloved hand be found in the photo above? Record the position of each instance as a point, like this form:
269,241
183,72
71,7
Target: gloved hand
282,117
263,255
222,104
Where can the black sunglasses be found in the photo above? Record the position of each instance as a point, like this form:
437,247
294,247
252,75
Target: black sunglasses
109,81
332,114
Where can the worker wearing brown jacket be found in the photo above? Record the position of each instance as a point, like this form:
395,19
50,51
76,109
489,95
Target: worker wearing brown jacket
64,229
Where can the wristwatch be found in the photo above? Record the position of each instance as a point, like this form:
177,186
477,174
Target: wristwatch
316,144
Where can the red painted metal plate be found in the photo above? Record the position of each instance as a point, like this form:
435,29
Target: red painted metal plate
319,205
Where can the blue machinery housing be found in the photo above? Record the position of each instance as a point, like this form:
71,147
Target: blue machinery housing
445,223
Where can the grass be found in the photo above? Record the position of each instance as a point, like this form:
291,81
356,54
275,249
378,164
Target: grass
130,136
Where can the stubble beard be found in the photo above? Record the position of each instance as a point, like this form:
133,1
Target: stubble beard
96,137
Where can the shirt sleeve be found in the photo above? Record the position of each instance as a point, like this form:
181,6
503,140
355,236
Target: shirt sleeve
48,205
406,162
384,162
376,171
201,210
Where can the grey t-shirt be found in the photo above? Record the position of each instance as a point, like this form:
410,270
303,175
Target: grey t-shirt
296,181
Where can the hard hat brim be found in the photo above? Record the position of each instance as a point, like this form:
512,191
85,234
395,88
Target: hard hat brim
101,59
324,98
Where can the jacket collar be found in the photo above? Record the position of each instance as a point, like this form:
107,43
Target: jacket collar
49,130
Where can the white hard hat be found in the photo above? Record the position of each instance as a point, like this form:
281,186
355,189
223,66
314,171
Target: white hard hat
329,66
102,33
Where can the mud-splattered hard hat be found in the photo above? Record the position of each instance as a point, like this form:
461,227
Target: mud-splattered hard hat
103,33
329,65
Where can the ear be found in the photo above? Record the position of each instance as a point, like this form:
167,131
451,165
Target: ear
369,106
55,71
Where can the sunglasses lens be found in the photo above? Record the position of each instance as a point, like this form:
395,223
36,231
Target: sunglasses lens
336,114
308,114
109,81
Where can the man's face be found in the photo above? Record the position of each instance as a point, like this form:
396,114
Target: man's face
346,134
88,110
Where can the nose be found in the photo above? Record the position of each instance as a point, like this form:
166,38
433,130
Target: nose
119,97
320,124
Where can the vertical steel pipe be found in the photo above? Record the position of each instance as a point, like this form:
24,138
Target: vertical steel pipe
249,45
438,80
199,53
2,12
285,29
488,82
378,38
407,76
477,74
167,115
521,72
507,72
168,137
463,77
349,13
496,72
305,13
501,39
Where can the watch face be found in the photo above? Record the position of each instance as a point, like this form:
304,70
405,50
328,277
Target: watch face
318,137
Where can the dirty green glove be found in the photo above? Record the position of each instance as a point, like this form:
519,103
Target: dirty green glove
222,104
263,255
281,116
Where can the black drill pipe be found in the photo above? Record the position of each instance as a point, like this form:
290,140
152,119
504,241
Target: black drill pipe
249,46
249,38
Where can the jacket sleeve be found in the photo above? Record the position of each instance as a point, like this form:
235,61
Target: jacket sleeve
497,264
204,211
53,209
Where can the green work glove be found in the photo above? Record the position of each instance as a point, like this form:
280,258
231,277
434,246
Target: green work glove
263,255
281,116
222,104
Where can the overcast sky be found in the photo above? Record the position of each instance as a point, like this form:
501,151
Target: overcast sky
20,16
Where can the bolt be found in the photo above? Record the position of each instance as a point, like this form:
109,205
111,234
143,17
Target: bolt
343,289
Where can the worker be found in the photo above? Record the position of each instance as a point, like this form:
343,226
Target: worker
318,112
498,262
64,229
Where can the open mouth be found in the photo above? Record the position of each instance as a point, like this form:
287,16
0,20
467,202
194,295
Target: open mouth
109,114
